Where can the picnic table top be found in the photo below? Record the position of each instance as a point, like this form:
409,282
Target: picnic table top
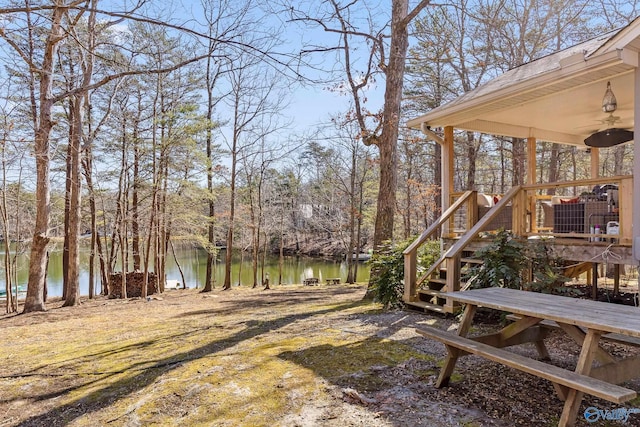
602,316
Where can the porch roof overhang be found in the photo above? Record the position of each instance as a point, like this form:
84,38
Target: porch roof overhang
557,98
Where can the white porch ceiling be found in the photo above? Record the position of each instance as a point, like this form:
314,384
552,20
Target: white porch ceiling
557,98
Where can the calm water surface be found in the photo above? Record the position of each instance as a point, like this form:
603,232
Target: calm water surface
192,260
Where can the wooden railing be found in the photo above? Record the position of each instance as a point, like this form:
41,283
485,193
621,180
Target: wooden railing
469,200
527,219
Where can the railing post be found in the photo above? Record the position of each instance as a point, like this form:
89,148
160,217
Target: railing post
519,213
410,275
453,280
472,210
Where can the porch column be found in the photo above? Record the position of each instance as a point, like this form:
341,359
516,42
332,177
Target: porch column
595,162
532,161
636,166
447,168
532,166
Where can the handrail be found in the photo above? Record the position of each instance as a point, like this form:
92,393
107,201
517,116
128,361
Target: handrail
484,221
525,216
433,227
577,183
471,234
410,253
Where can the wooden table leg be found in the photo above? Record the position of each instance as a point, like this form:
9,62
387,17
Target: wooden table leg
452,353
594,282
585,361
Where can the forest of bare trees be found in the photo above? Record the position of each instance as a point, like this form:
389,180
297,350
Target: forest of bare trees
139,123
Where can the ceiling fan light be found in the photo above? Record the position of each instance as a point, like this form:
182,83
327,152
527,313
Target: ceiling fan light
609,102
609,138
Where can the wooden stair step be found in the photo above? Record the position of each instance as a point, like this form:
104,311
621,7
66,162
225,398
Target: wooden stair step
432,292
426,306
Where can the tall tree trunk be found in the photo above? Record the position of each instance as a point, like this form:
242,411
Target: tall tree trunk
73,265
34,300
353,245
232,212
87,165
388,140
11,301
67,208
135,225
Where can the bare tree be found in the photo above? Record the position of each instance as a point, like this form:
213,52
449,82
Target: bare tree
340,19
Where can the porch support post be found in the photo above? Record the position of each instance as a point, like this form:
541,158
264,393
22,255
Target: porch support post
532,165
447,167
636,166
595,162
532,161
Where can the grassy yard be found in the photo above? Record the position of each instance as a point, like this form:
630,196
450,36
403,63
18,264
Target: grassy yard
239,357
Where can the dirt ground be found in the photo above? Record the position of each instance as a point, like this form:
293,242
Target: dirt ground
290,356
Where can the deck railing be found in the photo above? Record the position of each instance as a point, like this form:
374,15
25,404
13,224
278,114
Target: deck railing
532,212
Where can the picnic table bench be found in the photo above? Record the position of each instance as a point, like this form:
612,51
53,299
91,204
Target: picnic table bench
585,321
309,281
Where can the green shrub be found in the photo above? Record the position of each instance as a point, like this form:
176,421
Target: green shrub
502,263
508,260
387,269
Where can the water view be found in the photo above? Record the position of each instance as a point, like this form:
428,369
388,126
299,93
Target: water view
193,260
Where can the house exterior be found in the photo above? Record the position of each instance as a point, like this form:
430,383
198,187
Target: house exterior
557,98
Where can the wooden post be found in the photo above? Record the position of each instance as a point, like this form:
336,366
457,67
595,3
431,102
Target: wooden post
472,210
453,281
410,275
519,213
585,361
532,165
447,173
595,162
635,200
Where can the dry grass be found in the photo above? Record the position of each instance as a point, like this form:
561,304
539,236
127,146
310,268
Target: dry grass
240,357
291,356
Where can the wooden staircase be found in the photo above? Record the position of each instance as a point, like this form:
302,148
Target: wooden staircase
432,295
429,292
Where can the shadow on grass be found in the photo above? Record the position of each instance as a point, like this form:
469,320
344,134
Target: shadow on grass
269,299
357,364
105,396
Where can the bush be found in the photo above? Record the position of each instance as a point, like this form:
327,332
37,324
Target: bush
508,258
387,269
502,263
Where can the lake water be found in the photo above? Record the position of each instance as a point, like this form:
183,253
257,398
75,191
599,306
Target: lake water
193,260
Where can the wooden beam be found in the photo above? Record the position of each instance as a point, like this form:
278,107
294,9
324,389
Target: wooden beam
447,173
595,162
410,276
532,161
447,167
532,166
635,201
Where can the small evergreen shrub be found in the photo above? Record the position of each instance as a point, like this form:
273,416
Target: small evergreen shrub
387,269
502,263
507,261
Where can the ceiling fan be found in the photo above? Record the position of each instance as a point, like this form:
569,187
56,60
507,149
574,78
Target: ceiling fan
611,135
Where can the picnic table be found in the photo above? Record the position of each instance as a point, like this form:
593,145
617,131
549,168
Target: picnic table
587,322
309,281
333,281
